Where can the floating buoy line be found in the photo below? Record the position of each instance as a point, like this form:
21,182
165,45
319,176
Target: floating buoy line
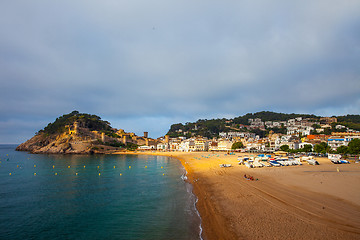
18,166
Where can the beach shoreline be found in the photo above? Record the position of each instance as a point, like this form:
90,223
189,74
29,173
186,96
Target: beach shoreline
294,202
211,221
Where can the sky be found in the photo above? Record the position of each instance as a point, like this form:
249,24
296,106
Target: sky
144,65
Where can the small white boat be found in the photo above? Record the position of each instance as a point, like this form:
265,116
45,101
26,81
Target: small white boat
257,164
274,163
248,165
305,158
289,162
298,162
225,165
295,162
266,164
312,162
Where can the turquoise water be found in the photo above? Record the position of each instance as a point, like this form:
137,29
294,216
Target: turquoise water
64,200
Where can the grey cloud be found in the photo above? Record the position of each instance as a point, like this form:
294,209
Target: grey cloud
145,64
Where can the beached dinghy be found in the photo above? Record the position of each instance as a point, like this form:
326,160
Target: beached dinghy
312,162
241,161
335,161
296,162
248,165
280,162
266,164
225,165
274,163
257,164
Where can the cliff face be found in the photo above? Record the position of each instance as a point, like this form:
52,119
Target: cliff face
56,144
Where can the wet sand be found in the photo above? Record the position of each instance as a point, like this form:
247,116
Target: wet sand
293,202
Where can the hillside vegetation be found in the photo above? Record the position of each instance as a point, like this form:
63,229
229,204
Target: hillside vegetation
212,128
92,122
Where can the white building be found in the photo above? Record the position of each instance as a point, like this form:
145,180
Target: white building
340,127
254,146
291,122
201,145
162,147
174,145
187,145
302,144
334,143
152,147
304,130
224,145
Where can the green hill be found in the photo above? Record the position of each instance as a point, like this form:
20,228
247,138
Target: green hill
65,137
92,122
212,128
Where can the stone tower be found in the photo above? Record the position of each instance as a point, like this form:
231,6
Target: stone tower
146,134
76,127
124,139
103,137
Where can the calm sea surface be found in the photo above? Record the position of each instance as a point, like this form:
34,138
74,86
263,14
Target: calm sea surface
94,197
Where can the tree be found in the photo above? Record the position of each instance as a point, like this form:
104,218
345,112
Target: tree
307,148
285,148
259,132
131,146
318,148
342,150
327,131
321,147
326,146
237,145
354,146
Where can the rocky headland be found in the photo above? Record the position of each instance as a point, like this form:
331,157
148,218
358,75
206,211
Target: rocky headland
78,133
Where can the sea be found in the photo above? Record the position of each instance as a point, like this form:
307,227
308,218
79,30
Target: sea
95,197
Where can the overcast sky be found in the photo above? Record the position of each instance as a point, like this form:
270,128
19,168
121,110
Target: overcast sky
144,65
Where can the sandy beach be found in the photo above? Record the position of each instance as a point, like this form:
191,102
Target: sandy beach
293,202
